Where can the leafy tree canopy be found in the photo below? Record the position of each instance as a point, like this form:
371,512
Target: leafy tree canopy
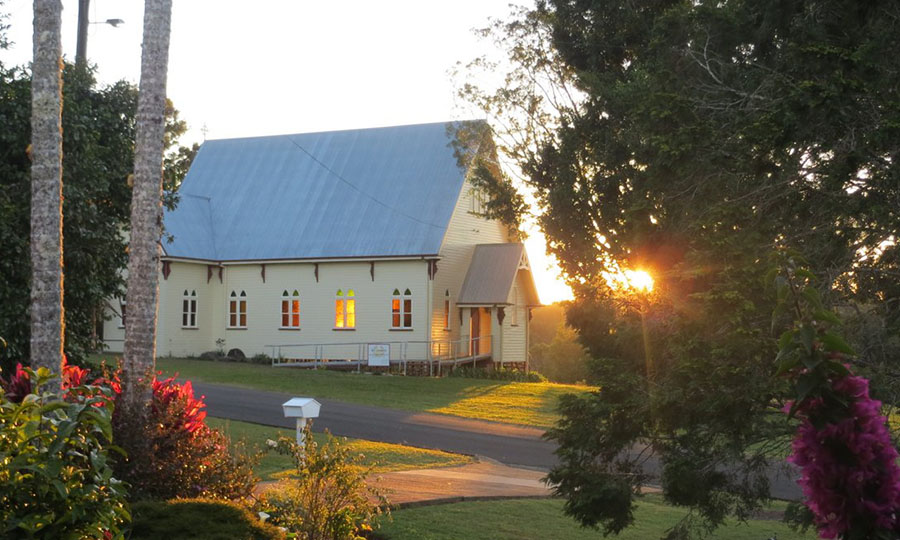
692,139
98,146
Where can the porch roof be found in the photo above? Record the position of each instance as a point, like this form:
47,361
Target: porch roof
493,272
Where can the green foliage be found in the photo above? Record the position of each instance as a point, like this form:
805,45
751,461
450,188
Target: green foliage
98,157
476,152
562,360
690,140
201,519
56,477
498,374
545,323
329,498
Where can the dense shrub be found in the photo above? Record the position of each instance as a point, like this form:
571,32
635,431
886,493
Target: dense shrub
329,498
563,359
261,358
201,519
172,453
56,480
499,374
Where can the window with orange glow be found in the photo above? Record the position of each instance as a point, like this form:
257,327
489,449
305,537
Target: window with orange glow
290,309
345,309
401,309
237,310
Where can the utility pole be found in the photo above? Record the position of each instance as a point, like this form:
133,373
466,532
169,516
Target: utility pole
81,47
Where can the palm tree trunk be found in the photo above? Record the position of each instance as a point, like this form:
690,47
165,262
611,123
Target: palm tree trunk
146,205
47,320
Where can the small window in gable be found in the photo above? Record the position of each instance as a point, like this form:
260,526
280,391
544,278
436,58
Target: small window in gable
345,309
189,309
401,309
237,310
477,206
290,309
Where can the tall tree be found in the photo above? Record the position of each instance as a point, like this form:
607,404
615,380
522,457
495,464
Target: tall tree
47,318
146,204
692,139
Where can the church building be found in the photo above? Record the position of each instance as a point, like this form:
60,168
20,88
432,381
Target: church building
364,246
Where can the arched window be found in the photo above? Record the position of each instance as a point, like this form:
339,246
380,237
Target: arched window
237,310
189,309
290,310
447,309
345,309
401,309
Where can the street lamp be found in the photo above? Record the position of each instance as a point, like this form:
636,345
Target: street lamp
83,22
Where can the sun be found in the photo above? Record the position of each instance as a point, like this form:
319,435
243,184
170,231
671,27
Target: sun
633,281
639,280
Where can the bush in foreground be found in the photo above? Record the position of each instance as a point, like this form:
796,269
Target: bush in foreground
171,452
201,519
329,498
56,480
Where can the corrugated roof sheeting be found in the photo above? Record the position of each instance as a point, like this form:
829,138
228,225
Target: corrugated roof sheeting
491,275
369,192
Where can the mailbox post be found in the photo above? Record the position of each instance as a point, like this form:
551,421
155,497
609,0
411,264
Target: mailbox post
301,408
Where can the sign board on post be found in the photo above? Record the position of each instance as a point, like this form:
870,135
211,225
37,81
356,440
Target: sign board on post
380,354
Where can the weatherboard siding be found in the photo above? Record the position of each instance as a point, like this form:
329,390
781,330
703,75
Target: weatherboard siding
171,338
515,335
317,304
464,231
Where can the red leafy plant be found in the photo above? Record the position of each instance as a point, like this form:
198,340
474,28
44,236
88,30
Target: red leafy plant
170,452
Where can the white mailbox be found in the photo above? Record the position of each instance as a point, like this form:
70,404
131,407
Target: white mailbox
301,408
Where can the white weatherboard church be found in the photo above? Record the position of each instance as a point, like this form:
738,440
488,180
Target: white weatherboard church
328,246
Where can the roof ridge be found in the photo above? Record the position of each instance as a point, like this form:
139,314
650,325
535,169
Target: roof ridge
346,130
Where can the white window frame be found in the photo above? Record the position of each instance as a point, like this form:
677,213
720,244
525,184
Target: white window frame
477,201
290,308
237,310
122,307
343,311
447,309
188,309
401,310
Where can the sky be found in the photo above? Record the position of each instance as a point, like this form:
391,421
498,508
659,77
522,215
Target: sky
293,66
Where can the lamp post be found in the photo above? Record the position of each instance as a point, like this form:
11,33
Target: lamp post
83,22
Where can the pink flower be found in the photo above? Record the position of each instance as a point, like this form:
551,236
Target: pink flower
849,472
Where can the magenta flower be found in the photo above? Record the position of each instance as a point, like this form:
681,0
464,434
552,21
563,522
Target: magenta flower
850,476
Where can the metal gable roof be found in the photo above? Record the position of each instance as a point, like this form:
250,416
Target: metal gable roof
492,273
357,193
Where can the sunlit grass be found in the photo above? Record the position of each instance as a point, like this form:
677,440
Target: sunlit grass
531,404
539,519
518,403
385,457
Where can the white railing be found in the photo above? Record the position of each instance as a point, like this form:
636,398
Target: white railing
437,353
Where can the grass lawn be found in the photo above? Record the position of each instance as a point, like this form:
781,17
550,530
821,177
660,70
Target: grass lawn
531,404
385,457
540,519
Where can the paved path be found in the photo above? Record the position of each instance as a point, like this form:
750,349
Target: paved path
518,446
483,480
506,443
